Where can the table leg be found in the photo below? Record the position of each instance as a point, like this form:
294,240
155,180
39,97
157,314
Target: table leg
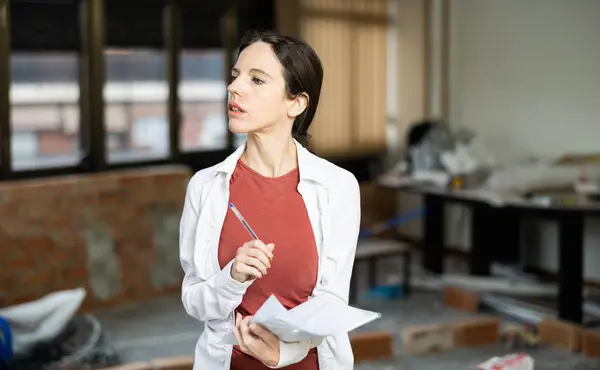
372,273
433,234
353,294
482,239
508,237
570,273
407,272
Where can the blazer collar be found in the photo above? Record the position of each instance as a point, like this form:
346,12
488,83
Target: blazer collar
309,165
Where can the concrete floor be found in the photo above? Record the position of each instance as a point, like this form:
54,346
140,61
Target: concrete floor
161,328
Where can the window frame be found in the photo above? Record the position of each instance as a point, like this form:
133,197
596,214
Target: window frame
92,79
5,50
92,105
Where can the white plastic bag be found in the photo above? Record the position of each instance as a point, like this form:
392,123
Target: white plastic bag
42,319
520,361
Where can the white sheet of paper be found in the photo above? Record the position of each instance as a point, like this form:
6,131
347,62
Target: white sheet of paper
314,319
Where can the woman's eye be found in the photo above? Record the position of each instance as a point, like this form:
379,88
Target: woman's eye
257,81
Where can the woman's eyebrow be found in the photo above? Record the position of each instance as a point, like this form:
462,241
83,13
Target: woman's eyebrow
253,70
256,70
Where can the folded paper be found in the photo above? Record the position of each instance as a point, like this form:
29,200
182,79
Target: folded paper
314,319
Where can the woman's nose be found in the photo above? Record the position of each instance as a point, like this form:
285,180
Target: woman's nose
234,88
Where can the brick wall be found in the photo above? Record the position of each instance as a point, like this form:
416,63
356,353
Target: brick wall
116,234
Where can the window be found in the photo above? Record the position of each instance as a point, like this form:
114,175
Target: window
135,95
136,90
44,97
203,95
56,112
239,139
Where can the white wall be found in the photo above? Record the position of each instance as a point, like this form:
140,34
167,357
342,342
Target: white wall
411,57
526,75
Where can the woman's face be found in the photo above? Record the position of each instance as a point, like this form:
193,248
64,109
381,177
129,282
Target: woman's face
257,98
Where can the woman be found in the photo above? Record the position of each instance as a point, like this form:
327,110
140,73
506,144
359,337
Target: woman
304,210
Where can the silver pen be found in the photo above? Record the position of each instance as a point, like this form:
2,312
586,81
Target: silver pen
243,221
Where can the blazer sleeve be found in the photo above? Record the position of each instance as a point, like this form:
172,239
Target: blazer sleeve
217,296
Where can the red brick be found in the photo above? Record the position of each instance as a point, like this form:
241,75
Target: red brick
461,299
22,298
43,277
477,332
431,338
47,217
132,366
372,346
175,363
591,343
17,263
560,334
78,273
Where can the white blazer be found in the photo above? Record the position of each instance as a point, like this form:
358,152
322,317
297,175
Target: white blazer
210,295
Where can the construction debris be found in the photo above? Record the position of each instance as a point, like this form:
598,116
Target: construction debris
521,361
517,336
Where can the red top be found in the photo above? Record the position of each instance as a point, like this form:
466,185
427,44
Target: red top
277,214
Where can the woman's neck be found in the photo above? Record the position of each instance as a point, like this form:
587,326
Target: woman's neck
269,155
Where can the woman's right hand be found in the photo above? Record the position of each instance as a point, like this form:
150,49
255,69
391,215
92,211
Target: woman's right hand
252,261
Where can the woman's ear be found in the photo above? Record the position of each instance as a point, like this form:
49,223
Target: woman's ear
298,105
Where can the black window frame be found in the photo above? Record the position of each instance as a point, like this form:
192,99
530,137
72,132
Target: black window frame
93,23
231,17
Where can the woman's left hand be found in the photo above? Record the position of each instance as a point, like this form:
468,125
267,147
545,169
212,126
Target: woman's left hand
256,341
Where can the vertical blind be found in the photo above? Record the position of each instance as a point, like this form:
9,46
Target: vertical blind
351,38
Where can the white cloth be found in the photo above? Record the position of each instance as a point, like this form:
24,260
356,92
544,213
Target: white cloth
209,294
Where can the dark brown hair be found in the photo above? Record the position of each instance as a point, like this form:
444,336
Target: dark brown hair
302,72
